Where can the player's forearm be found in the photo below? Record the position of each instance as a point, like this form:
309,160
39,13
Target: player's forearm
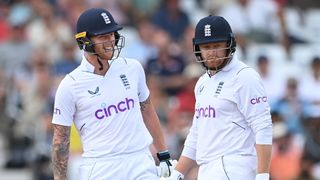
60,151
264,156
60,162
154,127
152,123
185,164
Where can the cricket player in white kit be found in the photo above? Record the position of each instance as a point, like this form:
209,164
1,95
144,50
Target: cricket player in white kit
231,134
108,100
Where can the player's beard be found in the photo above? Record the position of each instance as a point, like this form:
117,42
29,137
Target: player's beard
213,63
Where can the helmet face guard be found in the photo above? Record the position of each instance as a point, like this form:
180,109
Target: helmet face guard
201,60
214,29
87,45
94,22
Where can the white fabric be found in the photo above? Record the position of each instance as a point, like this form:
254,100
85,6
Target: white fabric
164,170
105,109
176,175
189,152
229,168
263,176
231,114
139,165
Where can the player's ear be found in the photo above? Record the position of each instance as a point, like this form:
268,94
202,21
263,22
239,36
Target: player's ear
84,42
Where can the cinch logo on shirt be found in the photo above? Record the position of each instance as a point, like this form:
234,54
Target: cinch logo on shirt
258,100
206,112
57,111
107,111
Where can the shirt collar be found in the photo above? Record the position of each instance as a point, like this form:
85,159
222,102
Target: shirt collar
86,66
231,64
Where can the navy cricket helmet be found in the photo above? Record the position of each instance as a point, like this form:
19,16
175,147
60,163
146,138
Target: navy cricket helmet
212,29
94,22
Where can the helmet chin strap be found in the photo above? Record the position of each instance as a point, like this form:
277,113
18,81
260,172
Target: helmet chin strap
99,62
99,58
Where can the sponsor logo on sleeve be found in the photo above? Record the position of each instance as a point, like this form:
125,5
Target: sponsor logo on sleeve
258,100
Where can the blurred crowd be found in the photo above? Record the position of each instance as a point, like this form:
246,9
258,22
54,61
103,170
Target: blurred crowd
280,38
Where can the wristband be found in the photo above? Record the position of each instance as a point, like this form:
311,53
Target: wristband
263,176
163,156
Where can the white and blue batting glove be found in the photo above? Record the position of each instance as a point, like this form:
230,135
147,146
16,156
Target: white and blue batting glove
263,176
166,165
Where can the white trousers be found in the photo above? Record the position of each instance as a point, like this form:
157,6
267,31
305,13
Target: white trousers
234,167
135,166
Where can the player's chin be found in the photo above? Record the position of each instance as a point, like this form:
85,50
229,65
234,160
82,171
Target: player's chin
106,55
213,64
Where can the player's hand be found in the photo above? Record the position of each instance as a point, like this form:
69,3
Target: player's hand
175,175
263,176
165,170
166,165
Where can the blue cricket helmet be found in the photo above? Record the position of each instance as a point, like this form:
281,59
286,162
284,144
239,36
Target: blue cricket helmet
213,29
97,21
93,22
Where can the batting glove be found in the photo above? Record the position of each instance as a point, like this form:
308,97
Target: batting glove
263,176
166,165
164,178
176,175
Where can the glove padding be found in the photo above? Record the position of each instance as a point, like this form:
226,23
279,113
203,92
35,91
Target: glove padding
175,175
166,165
166,168
263,176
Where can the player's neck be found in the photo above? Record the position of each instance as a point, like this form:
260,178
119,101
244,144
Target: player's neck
103,71
98,69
